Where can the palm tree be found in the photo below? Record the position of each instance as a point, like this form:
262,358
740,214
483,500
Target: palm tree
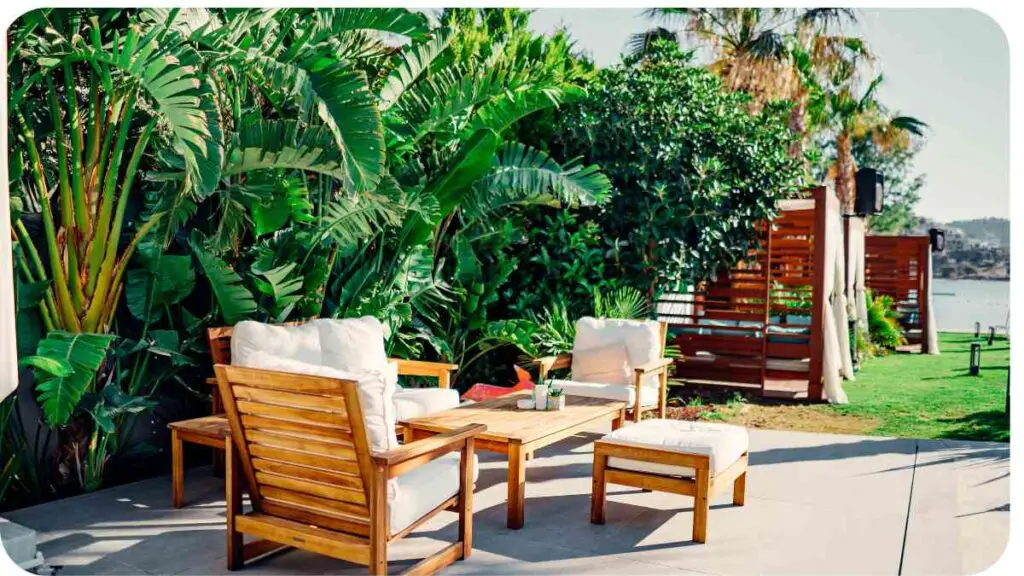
850,117
771,53
640,44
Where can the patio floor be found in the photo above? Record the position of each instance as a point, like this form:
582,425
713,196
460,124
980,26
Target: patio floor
816,503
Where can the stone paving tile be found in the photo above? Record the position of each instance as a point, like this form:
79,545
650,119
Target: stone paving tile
816,504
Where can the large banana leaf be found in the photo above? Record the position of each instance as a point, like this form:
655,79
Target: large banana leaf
351,220
235,301
511,107
523,172
266,144
414,61
337,93
283,286
65,365
330,23
164,282
469,165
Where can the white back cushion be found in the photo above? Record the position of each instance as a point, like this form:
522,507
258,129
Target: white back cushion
352,343
376,393
608,364
249,340
642,339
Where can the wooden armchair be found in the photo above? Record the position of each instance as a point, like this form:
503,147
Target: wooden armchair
300,442
219,339
659,367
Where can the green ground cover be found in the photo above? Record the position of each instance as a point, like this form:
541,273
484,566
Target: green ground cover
923,396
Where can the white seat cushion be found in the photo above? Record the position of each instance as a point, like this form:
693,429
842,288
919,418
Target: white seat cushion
627,394
250,339
642,339
352,343
722,443
415,402
424,488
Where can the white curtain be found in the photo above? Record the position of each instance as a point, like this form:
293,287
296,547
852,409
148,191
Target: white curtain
855,290
833,361
8,344
933,330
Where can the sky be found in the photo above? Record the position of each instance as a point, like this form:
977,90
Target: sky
947,67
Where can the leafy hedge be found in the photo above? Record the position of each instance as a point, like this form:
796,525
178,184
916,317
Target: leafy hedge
694,170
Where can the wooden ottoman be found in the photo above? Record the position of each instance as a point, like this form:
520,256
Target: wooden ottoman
690,458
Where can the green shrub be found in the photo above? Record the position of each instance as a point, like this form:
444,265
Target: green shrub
694,171
884,330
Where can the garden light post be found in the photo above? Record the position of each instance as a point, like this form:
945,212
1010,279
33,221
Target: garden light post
977,329
991,335
975,368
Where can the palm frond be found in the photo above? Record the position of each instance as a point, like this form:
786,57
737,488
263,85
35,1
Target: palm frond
641,43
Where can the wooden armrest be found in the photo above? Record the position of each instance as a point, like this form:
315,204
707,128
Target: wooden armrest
656,366
440,370
415,454
549,363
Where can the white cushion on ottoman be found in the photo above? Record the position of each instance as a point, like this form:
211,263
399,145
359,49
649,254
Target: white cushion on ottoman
416,402
722,443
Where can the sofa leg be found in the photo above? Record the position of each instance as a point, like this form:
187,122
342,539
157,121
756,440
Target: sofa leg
739,490
700,506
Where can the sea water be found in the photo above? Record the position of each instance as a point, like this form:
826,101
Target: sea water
961,303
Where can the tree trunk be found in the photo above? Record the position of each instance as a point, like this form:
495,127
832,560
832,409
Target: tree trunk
844,171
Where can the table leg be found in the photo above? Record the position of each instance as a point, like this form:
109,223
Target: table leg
177,470
619,420
516,485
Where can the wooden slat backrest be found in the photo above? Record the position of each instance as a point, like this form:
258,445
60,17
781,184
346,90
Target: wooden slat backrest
219,338
302,445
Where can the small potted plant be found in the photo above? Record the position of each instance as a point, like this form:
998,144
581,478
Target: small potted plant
556,398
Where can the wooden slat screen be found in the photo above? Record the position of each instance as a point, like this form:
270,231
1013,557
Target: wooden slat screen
896,266
727,329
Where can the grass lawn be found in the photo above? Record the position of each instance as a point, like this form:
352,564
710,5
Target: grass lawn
906,395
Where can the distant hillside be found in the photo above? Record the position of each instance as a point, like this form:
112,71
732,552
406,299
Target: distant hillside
975,249
985,230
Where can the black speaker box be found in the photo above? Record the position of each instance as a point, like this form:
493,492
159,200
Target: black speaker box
870,192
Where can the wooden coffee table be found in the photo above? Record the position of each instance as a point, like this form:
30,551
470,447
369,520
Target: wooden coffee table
517,433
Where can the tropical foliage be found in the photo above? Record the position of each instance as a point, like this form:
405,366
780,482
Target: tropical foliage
178,169
475,186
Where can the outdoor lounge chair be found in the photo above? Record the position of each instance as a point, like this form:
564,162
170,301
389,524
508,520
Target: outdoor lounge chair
250,343
325,472
617,360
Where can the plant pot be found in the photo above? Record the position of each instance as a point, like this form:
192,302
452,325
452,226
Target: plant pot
556,402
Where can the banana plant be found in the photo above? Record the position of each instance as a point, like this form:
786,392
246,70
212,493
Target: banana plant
107,98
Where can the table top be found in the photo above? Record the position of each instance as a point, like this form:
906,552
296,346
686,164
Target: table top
505,421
